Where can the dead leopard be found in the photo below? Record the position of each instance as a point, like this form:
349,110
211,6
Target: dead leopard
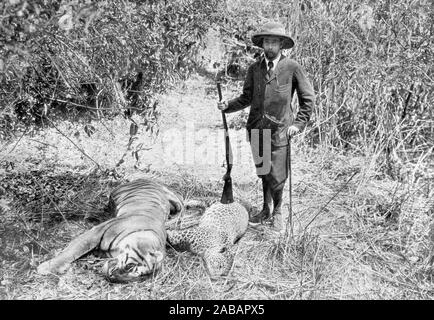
213,238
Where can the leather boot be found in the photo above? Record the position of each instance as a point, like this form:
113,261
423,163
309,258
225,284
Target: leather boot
277,212
266,209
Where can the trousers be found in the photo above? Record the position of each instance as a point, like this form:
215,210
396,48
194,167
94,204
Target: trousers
271,162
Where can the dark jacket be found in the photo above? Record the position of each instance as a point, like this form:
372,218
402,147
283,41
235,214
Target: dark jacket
270,98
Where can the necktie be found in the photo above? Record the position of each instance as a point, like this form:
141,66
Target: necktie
270,68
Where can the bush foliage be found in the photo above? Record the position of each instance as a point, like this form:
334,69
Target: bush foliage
100,56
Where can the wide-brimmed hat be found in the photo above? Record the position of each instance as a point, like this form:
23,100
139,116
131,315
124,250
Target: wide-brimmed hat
273,29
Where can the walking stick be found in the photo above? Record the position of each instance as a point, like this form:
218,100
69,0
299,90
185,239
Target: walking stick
289,219
227,196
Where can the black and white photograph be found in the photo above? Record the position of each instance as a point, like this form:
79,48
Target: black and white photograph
235,152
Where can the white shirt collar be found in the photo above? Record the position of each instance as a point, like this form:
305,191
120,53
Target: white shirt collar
275,60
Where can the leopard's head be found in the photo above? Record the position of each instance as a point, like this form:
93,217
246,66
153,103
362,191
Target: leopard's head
218,262
140,256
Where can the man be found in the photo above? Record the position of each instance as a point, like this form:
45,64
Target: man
268,88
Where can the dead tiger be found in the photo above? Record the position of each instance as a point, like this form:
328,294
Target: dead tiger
134,239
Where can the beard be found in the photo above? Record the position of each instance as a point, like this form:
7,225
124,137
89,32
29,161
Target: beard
270,54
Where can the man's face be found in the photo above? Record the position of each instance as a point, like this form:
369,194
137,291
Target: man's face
272,46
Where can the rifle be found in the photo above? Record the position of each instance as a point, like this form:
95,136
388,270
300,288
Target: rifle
227,196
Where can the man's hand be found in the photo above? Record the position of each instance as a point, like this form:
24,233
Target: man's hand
222,105
292,131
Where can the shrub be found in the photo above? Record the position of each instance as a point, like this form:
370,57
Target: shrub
104,57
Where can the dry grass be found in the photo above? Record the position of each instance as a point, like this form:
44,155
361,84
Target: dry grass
371,241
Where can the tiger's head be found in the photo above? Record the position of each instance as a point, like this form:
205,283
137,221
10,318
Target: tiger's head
140,256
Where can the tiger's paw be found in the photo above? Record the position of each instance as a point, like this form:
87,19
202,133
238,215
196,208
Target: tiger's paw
51,267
